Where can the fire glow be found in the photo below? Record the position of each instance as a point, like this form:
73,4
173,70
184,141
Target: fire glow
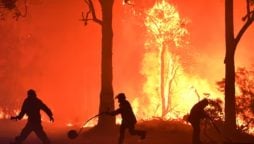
6,114
169,91
166,33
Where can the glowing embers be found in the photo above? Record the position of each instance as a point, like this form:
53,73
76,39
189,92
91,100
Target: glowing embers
6,113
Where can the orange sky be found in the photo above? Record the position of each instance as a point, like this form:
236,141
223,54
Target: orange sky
60,57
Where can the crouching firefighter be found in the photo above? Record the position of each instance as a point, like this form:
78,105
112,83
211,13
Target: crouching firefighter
128,118
31,107
197,113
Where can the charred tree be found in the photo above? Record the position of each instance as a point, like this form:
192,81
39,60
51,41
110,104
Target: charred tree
231,44
106,94
230,118
244,79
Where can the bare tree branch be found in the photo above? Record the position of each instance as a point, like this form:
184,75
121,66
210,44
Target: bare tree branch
249,21
91,11
248,8
250,18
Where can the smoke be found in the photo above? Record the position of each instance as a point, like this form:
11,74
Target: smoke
9,63
207,42
51,51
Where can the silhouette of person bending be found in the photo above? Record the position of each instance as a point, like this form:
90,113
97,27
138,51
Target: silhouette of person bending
31,107
197,113
128,118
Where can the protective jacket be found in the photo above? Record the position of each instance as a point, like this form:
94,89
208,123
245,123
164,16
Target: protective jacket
197,113
125,109
31,107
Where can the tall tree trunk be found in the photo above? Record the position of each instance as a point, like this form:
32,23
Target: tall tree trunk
163,100
230,113
106,94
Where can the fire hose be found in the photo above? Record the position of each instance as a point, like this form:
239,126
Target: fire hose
72,134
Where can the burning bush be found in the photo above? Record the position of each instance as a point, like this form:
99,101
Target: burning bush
244,98
214,109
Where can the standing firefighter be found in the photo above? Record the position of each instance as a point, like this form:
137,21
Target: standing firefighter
31,107
197,113
128,118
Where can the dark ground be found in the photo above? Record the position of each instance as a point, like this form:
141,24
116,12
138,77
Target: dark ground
158,132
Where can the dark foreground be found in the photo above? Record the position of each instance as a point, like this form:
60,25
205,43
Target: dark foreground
158,132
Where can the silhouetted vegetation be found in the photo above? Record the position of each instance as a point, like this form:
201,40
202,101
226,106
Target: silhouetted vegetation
244,97
232,41
214,110
106,94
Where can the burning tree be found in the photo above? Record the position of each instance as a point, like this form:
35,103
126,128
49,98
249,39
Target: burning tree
231,44
166,32
244,98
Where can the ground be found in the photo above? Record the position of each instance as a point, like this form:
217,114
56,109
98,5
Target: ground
158,132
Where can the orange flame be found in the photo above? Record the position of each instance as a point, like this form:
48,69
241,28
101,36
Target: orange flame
169,91
7,114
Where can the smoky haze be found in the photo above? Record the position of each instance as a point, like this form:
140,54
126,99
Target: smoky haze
53,52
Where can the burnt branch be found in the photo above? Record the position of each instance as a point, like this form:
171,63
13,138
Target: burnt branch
250,19
248,16
248,7
91,11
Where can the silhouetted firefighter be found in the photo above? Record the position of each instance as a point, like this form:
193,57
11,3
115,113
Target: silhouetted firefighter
197,113
31,107
128,118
